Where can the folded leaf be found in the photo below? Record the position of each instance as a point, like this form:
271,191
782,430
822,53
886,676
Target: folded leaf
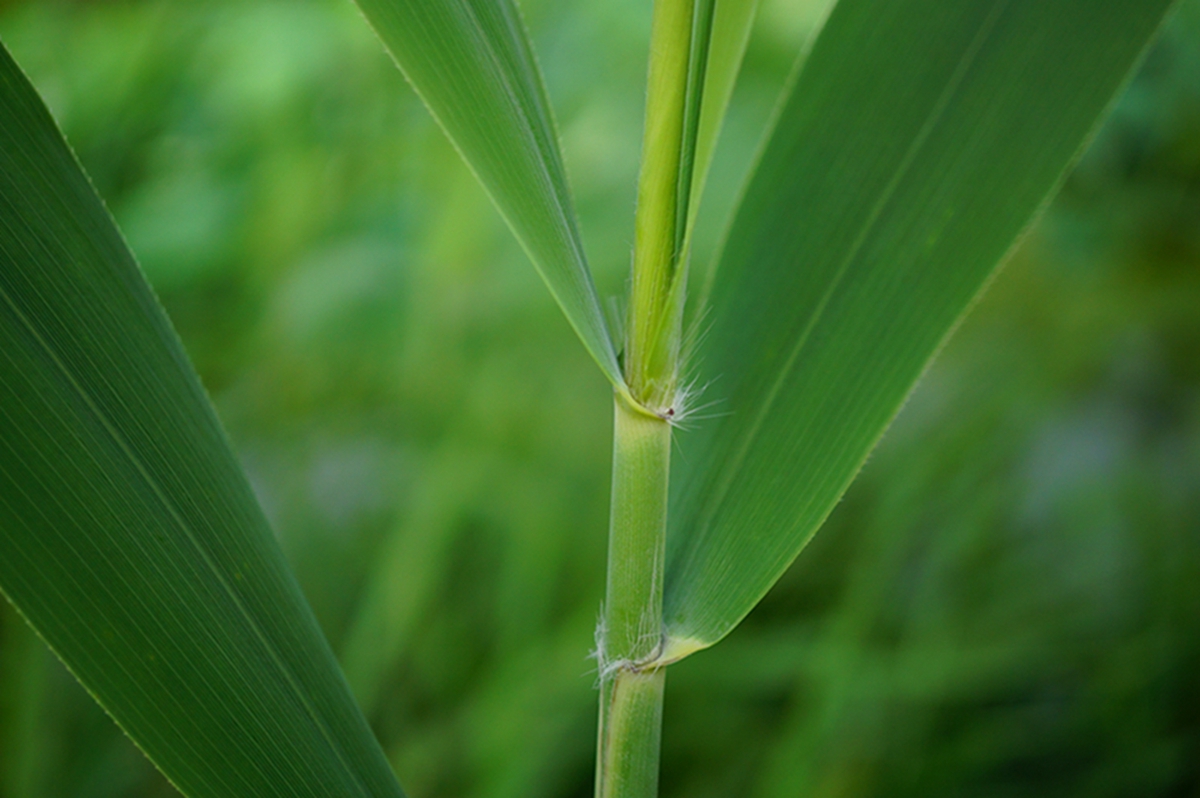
731,24
129,537
472,64
914,146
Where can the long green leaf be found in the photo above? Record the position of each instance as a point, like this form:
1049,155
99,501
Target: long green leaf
472,64
916,143
129,537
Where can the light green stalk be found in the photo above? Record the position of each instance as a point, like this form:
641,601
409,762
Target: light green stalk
630,637
659,270
630,640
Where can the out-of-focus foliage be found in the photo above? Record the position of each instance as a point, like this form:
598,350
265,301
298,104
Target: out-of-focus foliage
1006,603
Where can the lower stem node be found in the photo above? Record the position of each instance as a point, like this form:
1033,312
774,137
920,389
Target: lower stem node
632,631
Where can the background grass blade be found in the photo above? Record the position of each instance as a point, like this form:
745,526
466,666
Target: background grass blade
128,535
390,608
915,145
472,64
23,716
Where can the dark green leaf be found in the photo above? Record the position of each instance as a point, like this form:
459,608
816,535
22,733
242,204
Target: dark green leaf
128,535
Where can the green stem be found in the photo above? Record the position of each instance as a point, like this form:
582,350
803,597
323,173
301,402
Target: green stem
630,640
631,634
656,306
631,734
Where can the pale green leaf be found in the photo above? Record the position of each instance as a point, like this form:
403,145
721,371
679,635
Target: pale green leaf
129,537
916,143
731,24
472,63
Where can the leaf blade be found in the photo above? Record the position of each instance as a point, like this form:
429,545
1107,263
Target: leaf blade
915,145
129,537
473,66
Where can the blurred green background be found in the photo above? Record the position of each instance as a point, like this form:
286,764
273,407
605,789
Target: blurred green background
1007,602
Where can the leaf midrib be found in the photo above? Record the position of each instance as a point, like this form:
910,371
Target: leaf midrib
51,582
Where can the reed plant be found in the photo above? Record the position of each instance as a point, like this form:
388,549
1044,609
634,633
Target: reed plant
913,144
